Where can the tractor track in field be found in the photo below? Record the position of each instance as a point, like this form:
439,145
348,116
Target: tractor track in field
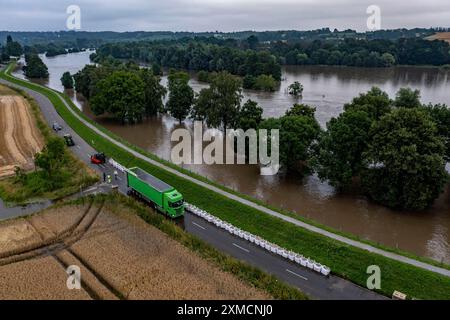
33,250
59,247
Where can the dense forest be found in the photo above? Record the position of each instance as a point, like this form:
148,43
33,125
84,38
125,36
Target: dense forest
364,53
206,54
253,59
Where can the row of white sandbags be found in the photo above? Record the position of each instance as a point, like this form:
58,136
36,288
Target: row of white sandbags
305,262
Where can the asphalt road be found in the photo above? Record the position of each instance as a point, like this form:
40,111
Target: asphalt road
313,284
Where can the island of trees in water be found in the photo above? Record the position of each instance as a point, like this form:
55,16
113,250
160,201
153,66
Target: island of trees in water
393,150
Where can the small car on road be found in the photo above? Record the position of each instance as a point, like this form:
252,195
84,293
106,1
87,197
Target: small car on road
56,126
69,140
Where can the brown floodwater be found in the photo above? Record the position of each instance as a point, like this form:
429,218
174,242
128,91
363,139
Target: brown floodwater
327,88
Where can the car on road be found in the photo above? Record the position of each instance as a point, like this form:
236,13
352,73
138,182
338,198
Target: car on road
98,158
69,140
56,126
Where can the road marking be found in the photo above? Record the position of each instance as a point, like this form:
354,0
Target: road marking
296,274
78,147
101,165
195,224
91,189
238,246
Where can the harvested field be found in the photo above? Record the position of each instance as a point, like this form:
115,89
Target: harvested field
120,257
42,278
445,36
20,138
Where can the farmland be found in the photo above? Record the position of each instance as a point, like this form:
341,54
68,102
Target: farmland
445,36
120,257
20,138
24,133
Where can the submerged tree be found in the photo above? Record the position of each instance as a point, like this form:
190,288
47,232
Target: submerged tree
67,80
250,116
405,159
298,136
35,68
121,94
339,157
181,96
154,92
296,89
219,105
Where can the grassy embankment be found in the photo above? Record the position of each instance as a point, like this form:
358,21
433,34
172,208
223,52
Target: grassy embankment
74,173
346,261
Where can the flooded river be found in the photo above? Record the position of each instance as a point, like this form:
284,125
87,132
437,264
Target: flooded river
326,88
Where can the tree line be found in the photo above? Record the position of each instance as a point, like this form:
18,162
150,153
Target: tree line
363,53
210,55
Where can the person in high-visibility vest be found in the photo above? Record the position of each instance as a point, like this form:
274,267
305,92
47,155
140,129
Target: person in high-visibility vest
109,178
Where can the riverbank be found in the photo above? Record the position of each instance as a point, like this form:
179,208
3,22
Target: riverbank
344,259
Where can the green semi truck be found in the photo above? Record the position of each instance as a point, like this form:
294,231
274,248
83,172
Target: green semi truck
156,192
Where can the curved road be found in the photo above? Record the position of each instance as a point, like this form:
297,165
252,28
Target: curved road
311,283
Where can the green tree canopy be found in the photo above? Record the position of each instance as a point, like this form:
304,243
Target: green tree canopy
407,98
339,158
13,48
301,110
67,80
250,116
296,89
265,83
121,95
375,102
219,105
35,68
440,113
298,135
181,96
405,159
52,157
154,92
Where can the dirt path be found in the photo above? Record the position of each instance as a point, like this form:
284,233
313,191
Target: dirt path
20,138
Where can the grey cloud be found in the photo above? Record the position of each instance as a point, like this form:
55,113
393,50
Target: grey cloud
223,15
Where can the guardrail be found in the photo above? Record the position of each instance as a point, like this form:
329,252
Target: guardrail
273,248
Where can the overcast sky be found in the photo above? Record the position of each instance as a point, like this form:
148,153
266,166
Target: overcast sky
222,15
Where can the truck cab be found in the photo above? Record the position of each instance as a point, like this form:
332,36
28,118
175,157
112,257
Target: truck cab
174,203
